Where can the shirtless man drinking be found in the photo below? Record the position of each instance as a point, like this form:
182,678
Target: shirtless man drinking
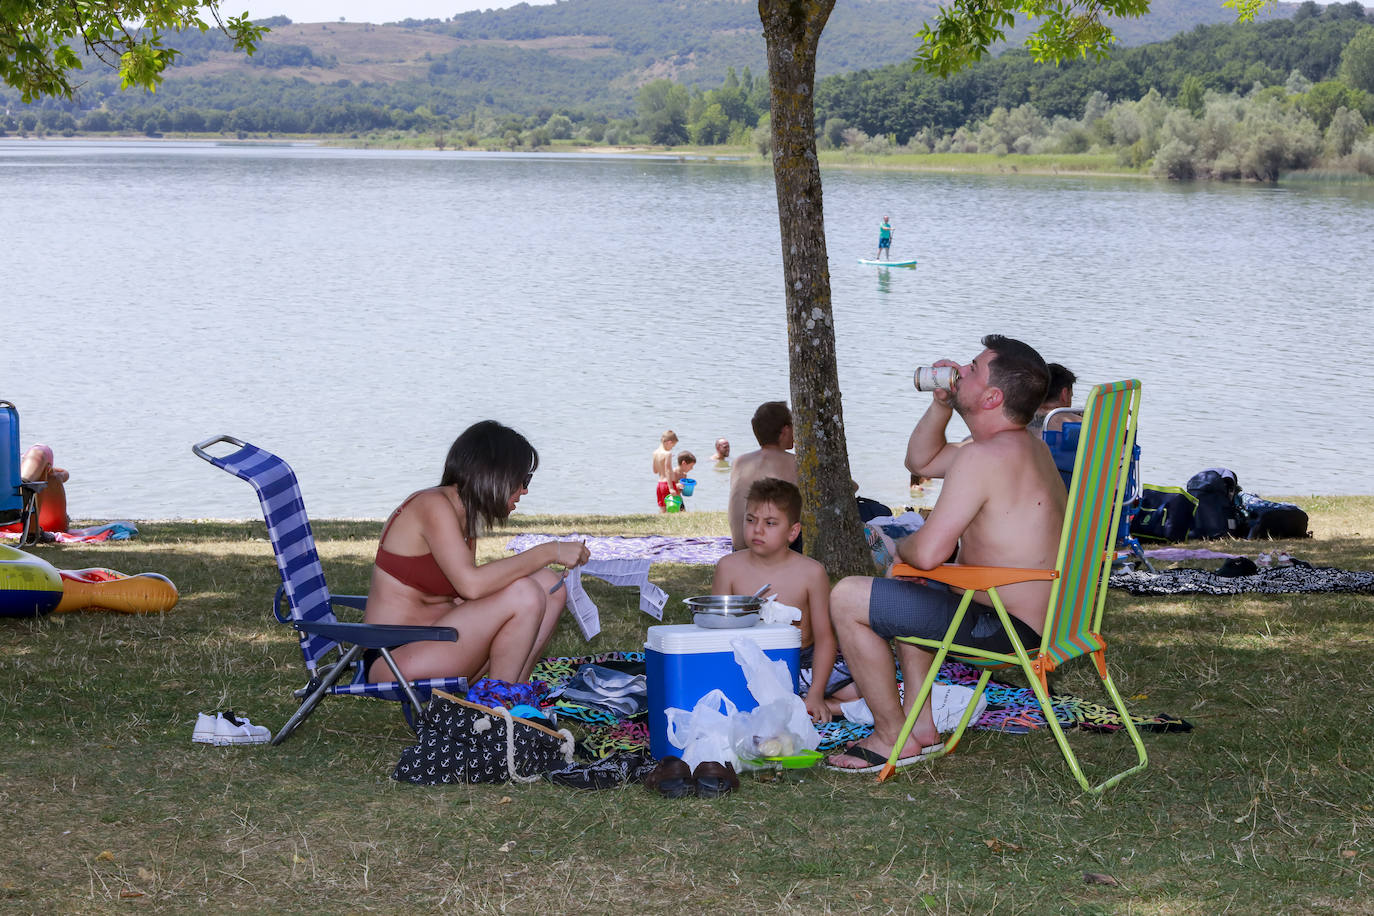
772,424
1001,503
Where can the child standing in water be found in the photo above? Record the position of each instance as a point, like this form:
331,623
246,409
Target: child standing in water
663,467
685,462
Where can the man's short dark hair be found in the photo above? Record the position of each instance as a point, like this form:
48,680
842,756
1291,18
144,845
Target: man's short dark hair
781,494
769,421
1060,378
1020,372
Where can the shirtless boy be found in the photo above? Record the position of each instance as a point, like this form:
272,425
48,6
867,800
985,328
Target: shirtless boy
663,467
686,461
1002,504
773,429
772,520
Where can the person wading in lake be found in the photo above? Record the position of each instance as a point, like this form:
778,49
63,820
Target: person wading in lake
426,572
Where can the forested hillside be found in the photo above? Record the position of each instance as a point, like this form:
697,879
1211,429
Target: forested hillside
588,56
896,101
1234,100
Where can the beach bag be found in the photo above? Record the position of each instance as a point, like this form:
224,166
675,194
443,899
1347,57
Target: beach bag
1164,514
466,743
1218,512
1267,519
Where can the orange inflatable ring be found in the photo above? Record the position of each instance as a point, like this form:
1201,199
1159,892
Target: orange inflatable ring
107,590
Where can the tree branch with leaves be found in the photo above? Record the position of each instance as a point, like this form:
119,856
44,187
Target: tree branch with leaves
39,39
964,32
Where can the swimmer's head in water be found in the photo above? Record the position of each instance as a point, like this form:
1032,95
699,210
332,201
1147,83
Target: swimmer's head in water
723,448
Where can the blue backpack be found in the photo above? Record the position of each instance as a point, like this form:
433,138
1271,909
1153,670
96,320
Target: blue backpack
1165,514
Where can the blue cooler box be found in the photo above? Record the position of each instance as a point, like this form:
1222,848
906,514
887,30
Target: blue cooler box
684,662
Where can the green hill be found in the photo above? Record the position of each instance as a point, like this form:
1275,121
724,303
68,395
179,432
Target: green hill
505,73
588,55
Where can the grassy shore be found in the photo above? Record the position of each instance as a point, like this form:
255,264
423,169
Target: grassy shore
1264,808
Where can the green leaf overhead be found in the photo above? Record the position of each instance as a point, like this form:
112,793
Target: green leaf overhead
39,39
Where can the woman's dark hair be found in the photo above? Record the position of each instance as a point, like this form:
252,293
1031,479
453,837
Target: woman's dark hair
488,463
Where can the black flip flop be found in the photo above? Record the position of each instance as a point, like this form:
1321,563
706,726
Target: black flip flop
877,761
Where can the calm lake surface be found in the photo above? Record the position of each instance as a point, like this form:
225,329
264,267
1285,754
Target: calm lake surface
353,310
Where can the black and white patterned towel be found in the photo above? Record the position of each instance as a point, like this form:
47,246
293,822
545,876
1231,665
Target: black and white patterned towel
1284,580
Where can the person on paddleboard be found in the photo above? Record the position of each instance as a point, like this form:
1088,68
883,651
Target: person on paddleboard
884,241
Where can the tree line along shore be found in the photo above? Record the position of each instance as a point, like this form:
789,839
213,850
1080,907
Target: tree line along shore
1250,101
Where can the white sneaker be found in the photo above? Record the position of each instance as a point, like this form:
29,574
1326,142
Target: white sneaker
230,729
205,728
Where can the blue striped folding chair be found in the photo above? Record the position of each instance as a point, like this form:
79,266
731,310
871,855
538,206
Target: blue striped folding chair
333,650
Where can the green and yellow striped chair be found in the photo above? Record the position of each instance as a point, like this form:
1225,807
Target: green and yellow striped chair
1073,624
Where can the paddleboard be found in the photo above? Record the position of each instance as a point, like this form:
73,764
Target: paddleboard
911,263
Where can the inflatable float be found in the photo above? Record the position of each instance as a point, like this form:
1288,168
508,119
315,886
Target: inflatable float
30,586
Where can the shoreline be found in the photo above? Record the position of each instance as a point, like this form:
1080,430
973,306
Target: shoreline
521,521
1068,165
946,163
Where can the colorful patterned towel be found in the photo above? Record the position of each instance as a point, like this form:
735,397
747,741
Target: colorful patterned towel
1015,710
1010,709
112,531
603,732
659,548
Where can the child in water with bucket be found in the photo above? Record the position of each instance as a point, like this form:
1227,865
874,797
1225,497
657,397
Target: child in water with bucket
772,521
682,479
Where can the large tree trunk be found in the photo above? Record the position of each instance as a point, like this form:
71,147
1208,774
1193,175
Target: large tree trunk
830,517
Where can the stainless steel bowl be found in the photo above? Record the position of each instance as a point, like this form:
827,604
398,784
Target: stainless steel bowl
724,604
719,612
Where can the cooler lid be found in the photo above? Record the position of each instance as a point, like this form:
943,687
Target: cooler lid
684,638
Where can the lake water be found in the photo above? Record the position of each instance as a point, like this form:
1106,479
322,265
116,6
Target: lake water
353,310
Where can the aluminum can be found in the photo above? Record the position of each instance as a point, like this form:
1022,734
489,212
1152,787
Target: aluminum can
930,378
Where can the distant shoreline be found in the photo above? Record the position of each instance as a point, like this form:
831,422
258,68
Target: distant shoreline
1071,165
1077,165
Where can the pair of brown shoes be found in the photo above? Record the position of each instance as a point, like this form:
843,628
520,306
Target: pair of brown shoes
673,778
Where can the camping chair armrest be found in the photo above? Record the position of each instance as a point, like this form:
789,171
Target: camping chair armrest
978,578
354,601
375,635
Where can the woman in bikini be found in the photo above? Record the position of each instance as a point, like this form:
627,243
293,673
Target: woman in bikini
426,572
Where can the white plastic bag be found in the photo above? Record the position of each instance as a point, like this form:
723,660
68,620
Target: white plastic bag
704,733
780,726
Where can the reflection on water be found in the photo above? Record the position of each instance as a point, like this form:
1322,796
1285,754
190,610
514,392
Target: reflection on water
355,309
884,280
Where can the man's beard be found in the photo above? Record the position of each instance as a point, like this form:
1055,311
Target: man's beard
963,410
